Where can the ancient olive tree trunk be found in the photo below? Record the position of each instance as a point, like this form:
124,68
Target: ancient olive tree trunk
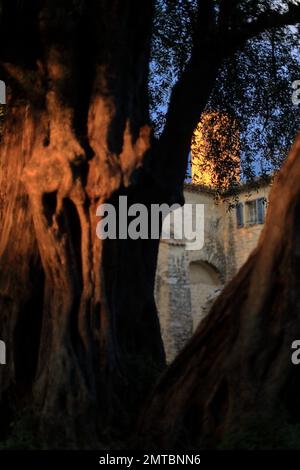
78,315
237,368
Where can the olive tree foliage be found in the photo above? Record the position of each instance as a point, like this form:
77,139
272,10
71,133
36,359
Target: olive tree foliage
254,83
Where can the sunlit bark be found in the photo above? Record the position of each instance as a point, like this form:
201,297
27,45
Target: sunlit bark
78,315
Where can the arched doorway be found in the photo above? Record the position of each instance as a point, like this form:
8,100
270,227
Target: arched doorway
205,282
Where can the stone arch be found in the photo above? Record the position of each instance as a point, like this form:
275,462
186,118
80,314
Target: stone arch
205,283
214,258
204,272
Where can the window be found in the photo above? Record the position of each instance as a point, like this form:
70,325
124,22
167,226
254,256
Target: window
240,215
251,212
255,211
260,204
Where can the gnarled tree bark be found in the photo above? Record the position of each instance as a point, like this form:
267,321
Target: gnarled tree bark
78,315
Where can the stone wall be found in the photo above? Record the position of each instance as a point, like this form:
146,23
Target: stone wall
207,267
240,242
187,282
173,297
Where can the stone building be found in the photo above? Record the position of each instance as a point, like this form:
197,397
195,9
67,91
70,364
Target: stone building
187,282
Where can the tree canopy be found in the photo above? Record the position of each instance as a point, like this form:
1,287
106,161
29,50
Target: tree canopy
254,80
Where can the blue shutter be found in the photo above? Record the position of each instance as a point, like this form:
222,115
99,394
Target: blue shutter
260,209
240,215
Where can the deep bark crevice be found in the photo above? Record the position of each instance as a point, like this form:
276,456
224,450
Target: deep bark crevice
27,333
49,204
72,224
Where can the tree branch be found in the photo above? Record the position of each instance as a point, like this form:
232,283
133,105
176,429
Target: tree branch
266,21
188,100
